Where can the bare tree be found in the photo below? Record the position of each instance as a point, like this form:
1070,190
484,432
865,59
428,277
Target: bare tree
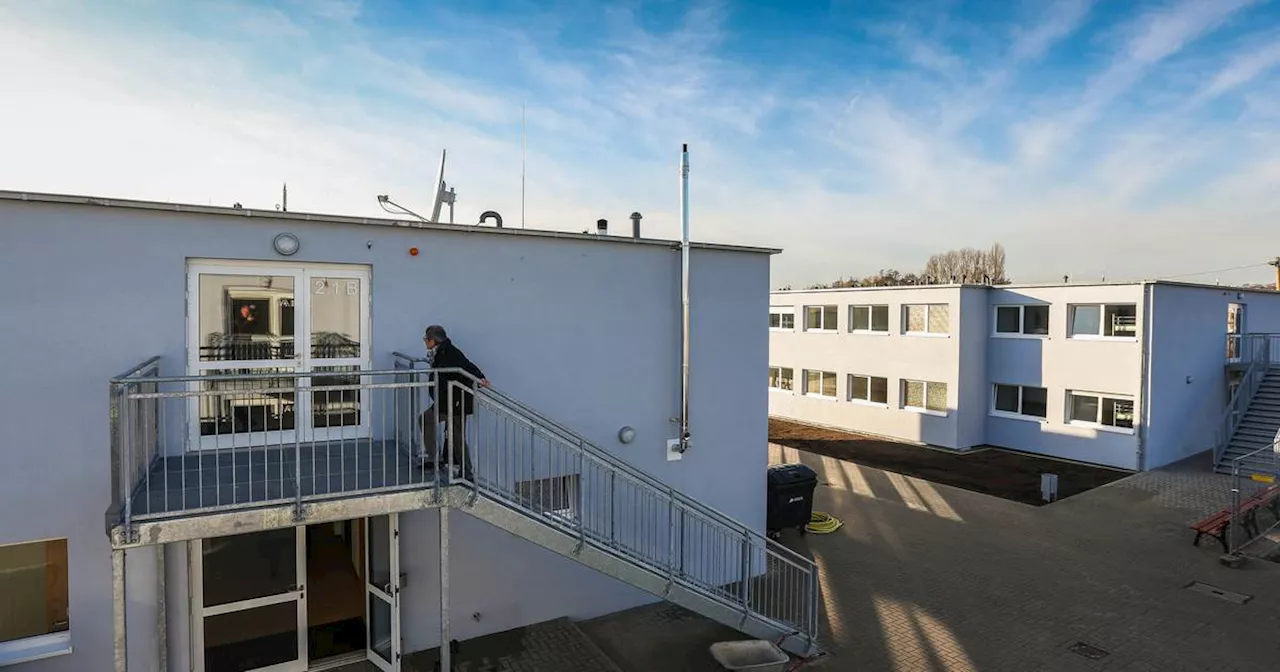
968,265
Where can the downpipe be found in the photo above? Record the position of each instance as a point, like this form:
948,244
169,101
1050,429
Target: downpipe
684,298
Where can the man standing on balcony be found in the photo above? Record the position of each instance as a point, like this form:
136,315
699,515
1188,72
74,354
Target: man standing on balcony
443,354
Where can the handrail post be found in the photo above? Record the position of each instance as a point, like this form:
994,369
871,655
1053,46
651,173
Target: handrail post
582,504
671,538
297,452
126,455
746,574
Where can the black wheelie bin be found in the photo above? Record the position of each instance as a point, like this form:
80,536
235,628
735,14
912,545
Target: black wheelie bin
790,498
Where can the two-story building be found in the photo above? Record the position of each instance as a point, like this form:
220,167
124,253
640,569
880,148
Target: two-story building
1133,375
242,392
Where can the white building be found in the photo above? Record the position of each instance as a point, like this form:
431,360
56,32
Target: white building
1128,375
228,385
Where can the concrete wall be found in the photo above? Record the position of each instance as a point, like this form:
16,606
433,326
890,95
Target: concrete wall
586,331
1061,364
1188,376
970,360
894,355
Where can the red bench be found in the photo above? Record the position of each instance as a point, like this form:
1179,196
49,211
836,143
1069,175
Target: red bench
1216,525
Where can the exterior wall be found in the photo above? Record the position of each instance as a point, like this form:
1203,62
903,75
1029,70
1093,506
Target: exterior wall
1188,376
585,331
971,359
1060,364
895,356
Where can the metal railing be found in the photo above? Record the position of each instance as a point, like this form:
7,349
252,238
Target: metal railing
520,458
1237,406
187,445
1251,475
1250,348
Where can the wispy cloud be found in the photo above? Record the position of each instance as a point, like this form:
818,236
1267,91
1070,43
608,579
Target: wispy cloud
939,129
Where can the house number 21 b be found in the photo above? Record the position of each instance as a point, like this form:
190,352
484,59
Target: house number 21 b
324,286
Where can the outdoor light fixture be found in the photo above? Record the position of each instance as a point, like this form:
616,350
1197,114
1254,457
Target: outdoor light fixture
286,244
626,435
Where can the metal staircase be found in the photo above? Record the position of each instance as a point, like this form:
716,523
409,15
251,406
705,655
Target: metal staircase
549,485
1252,423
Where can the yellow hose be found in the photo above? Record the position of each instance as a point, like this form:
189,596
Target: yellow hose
823,523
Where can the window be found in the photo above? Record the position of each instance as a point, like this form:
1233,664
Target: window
782,318
1021,400
1100,409
33,609
924,396
921,318
1030,320
780,378
820,384
1110,320
869,389
869,319
820,318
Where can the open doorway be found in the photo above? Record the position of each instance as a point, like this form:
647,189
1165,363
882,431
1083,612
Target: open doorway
335,573
298,598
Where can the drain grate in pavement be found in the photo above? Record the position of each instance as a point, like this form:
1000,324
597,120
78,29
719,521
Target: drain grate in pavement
1214,591
1088,651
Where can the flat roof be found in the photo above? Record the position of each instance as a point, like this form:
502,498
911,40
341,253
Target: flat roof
191,208
1031,285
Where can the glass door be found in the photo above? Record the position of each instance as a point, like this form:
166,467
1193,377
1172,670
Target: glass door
246,319
241,321
250,603
338,348
382,588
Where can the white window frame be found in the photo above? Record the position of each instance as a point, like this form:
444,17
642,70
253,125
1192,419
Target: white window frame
867,402
825,328
1022,322
1019,414
804,381
780,369
38,647
1097,422
782,311
1102,316
902,392
870,308
929,308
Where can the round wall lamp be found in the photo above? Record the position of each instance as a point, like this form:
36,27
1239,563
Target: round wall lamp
286,244
413,251
626,435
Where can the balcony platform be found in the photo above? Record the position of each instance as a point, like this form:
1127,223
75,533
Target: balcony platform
179,484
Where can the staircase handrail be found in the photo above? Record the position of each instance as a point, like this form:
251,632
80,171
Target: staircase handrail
1236,407
573,438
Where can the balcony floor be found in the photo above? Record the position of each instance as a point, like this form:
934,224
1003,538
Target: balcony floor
181,483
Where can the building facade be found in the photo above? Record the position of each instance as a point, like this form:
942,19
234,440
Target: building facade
1132,376
272,516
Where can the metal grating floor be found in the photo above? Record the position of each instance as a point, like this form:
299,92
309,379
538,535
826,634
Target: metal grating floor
181,483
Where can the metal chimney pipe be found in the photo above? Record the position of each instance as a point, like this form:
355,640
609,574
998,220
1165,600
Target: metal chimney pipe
602,227
635,224
684,292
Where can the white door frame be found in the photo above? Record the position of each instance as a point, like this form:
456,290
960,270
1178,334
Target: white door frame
195,553
389,594
304,276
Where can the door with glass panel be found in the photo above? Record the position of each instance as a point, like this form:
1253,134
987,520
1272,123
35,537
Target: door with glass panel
382,588
248,319
249,609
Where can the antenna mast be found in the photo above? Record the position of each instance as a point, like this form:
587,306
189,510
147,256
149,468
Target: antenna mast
522,164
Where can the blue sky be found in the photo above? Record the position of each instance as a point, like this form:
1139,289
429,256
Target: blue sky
1119,139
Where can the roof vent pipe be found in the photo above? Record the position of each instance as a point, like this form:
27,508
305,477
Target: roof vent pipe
635,227
497,218
602,227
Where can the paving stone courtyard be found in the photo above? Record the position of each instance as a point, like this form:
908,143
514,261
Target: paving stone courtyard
930,578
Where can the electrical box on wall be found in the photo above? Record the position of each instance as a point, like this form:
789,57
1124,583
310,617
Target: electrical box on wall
673,450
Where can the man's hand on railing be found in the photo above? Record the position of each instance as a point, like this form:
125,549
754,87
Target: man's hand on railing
484,382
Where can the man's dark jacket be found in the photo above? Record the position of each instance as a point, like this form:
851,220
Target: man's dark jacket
448,356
